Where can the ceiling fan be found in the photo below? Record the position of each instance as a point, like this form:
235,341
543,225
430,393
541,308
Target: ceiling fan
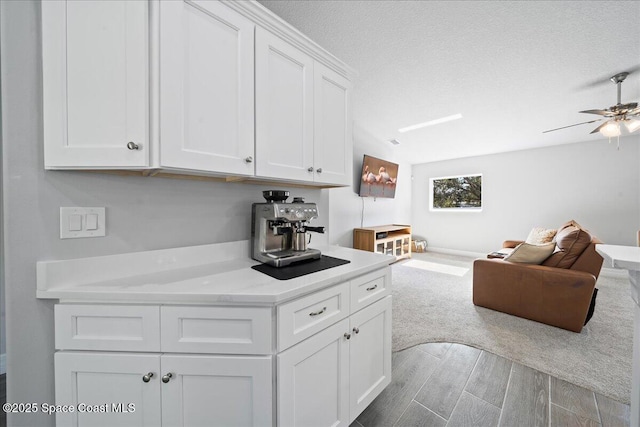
628,114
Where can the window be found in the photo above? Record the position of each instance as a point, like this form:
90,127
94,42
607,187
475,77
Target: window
456,193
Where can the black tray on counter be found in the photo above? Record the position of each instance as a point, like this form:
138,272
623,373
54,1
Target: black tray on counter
300,268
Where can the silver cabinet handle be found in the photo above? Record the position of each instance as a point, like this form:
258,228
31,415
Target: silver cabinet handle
132,146
356,330
310,169
347,335
248,159
317,313
147,378
319,170
166,378
372,288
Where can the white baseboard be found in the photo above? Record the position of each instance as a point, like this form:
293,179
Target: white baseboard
457,252
3,363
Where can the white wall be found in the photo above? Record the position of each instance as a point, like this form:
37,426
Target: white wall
142,213
346,207
591,182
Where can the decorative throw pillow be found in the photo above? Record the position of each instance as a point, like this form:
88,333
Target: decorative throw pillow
571,242
540,235
527,253
569,223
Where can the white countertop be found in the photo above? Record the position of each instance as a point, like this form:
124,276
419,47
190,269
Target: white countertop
627,257
198,274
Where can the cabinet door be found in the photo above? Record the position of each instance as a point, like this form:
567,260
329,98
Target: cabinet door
333,141
111,385
95,84
206,88
370,355
217,391
284,109
313,380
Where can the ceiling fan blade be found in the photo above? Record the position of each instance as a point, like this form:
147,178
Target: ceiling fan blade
599,127
634,112
605,113
570,126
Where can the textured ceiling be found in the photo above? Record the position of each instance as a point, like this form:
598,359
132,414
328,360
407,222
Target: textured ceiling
511,68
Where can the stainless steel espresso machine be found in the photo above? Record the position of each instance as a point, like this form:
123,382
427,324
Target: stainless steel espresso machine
279,229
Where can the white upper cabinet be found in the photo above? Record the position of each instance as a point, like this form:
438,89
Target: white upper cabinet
333,143
198,87
303,116
284,109
95,84
206,88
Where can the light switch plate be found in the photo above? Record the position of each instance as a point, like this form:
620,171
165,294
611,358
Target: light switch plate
90,221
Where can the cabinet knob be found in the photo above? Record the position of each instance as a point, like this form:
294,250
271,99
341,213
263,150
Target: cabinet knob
310,169
356,330
167,377
347,335
248,159
147,378
319,170
132,146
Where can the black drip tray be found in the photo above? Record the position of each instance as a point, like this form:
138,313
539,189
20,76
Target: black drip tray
301,268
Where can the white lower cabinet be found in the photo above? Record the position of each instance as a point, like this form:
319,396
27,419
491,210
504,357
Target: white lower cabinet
124,389
217,391
329,379
317,360
96,379
313,380
369,355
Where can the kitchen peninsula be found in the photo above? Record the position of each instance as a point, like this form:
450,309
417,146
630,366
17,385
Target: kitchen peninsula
191,335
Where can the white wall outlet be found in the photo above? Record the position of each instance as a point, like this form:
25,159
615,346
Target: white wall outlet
82,222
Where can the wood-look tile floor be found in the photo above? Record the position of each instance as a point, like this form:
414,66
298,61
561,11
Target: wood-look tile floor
454,385
3,399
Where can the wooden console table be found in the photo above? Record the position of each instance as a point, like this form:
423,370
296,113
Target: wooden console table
393,240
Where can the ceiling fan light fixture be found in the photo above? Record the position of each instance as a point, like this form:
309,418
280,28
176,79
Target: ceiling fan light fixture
632,125
610,129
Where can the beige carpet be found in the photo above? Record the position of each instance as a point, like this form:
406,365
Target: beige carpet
433,303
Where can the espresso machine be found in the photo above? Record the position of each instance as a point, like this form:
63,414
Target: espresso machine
279,230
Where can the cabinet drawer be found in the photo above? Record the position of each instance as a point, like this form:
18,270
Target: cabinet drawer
107,327
226,330
301,318
370,288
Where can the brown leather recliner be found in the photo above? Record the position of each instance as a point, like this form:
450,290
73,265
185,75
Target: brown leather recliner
545,293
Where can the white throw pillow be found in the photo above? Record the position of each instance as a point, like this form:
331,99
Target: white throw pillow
540,235
527,253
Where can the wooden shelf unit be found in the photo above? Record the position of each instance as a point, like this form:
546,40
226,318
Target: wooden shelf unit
393,240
